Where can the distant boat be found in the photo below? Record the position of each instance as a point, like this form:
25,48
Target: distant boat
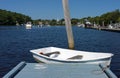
17,24
110,26
28,24
80,25
60,55
40,25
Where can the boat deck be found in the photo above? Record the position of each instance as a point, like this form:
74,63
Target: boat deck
36,70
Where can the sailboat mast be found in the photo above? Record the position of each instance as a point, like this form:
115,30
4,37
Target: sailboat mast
68,24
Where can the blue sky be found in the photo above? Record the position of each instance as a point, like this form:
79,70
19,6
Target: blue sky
52,9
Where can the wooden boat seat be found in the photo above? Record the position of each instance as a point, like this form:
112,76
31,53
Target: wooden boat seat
51,53
76,57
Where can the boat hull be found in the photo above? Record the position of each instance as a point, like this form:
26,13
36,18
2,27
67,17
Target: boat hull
105,61
88,57
28,25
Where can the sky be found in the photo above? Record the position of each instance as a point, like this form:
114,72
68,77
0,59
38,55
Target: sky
52,9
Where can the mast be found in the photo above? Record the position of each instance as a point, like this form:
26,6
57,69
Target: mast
68,24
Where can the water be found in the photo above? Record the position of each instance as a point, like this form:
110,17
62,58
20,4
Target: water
15,43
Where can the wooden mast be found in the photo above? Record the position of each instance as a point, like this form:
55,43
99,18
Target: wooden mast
68,24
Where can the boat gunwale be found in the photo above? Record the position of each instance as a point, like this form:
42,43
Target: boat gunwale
70,61
111,54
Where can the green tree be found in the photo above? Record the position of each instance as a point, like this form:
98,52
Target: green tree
10,18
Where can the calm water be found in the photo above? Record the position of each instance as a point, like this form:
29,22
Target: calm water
15,43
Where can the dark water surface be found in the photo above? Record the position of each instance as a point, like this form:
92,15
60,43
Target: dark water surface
15,43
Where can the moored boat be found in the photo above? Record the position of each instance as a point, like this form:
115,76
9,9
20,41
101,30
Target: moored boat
60,55
28,24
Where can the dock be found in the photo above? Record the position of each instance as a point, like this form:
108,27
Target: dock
106,29
40,70
110,29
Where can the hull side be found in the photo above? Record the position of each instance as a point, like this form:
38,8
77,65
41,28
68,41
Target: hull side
105,61
65,54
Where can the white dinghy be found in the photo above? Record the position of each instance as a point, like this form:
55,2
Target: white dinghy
60,55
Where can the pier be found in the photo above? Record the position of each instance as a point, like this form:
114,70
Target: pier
105,29
110,29
37,70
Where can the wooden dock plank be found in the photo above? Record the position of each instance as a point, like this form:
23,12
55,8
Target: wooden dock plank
61,71
36,70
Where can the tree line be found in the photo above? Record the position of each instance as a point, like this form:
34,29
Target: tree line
106,18
11,18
